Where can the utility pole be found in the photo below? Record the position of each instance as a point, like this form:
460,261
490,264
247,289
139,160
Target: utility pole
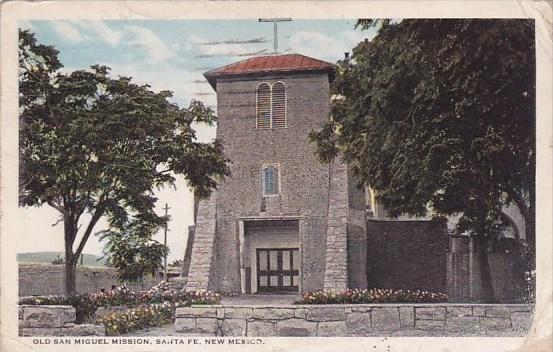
275,22
165,244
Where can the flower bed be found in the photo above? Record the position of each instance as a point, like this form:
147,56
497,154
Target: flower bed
146,308
373,295
139,318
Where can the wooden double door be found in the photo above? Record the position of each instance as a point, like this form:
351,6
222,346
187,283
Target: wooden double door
278,269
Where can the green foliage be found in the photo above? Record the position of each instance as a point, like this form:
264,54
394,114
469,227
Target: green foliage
374,295
139,318
90,143
440,114
133,251
86,305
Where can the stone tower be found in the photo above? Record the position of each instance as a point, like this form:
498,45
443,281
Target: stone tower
283,222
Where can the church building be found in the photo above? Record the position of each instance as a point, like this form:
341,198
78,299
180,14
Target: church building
283,221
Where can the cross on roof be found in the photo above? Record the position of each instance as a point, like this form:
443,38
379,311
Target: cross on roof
275,22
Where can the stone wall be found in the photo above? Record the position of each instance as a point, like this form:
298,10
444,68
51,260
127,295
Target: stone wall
336,258
407,254
356,320
53,321
47,279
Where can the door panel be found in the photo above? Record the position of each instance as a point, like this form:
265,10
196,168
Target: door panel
277,269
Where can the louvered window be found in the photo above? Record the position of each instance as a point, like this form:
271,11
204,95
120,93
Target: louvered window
264,106
278,105
271,105
270,180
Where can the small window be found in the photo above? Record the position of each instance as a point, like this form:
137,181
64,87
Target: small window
264,105
270,180
278,105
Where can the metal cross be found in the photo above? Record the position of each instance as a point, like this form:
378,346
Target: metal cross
275,22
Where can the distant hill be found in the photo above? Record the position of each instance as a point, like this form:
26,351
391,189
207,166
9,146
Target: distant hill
48,257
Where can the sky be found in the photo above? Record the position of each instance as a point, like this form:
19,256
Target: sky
172,55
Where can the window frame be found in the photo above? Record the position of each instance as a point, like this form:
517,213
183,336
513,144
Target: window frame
263,190
257,106
270,105
285,104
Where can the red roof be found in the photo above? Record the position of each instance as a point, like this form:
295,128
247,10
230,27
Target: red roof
270,63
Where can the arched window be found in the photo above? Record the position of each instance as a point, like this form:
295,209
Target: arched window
271,105
263,105
278,105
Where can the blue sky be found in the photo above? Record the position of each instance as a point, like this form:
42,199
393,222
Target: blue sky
172,55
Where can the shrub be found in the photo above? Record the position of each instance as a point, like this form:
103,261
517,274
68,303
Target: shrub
86,305
374,295
44,300
139,318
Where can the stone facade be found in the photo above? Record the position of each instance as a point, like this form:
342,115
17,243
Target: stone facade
356,320
47,279
53,321
313,198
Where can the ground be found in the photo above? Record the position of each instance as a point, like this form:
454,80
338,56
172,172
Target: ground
262,300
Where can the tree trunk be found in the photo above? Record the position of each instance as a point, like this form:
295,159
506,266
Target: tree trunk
483,291
70,277
70,262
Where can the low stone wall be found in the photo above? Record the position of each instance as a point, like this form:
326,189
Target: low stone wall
47,279
53,321
356,320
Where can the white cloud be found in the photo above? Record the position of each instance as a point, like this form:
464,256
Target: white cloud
180,81
353,37
102,31
155,48
68,31
110,36
314,44
323,46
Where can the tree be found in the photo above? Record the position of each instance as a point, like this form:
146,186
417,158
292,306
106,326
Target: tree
133,251
91,144
440,114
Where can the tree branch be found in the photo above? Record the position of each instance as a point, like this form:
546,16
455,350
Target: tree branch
56,206
97,215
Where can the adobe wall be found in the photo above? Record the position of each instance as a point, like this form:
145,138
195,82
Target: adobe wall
356,320
303,180
407,254
357,234
464,275
47,279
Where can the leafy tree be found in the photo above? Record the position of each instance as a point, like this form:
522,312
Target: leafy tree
440,114
98,146
133,251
